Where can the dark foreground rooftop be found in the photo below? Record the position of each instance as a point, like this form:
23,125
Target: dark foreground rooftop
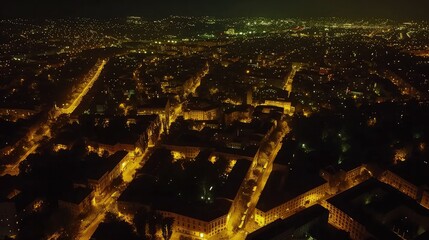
309,222
381,208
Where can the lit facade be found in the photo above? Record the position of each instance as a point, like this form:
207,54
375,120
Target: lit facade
373,209
287,106
307,199
77,207
292,206
147,138
100,147
163,111
183,225
399,183
201,115
425,199
243,116
187,151
195,228
99,185
344,222
421,195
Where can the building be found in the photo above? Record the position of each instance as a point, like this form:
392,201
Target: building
311,223
235,178
399,183
146,131
286,105
200,216
234,154
210,113
195,221
101,147
158,106
264,216
249,97
425,199
239,113
77,200
375,210
416,190
189,152
101,172
284,196
200,109
111,231
197,228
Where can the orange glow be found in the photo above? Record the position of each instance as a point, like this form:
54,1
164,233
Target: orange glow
37,205
306,113
177,156
231,166
123,166
422,147
93,202
400,155
371,122
137,151
59,147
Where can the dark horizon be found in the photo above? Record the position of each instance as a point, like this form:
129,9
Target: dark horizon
397,10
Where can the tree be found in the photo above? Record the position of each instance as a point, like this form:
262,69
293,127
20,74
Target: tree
141,220
167,228
58,124
154,222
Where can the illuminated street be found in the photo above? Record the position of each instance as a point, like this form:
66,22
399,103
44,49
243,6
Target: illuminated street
244,205
86,86
108,201
289,79
43,130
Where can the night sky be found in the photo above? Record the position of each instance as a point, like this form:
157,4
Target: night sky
398,9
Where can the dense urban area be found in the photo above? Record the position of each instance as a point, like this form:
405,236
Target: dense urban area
197,128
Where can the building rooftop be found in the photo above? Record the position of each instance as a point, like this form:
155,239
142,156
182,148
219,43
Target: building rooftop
117,129
294,178
414,170
95,168
234,180
247,152
155,103
381,208
144,190
314,219
76,195
240,108
112,230
196,188
200,104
